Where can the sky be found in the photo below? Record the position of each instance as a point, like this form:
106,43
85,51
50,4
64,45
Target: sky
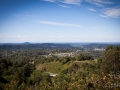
59,21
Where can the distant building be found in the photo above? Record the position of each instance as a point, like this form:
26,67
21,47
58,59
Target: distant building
99,49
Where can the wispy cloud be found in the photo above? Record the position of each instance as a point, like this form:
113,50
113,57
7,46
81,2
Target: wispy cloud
50,0
19,36
15,37
103,16
91,9
99,3
76,2
64,6
57,23
111,12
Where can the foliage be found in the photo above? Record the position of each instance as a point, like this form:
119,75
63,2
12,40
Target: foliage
31,69
111,59
81,57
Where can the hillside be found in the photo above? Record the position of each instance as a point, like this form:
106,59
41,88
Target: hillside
59,69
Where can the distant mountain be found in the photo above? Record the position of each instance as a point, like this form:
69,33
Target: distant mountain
26,43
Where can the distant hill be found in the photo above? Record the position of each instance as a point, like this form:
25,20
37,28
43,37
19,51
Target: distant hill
28,45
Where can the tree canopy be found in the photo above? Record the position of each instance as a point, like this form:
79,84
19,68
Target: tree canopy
111,59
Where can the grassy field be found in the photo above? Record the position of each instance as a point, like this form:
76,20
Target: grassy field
57,67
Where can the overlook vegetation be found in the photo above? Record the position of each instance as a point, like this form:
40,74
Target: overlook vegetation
35,69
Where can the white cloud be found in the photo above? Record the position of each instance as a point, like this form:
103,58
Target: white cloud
91,9
15,38
103,16
64,6
19,36
111,12
57,23
76,2
50,0
99,3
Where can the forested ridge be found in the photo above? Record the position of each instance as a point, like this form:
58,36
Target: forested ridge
43,69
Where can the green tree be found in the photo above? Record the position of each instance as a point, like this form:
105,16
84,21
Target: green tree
79,57
111,59
65,60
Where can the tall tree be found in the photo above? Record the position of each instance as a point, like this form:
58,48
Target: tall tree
111,60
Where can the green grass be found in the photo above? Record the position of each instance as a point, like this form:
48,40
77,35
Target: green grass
53,67
57,67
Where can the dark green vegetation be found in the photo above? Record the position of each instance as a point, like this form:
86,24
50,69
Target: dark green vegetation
59,67
111,59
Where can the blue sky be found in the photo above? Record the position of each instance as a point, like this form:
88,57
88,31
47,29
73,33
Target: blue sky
59,21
